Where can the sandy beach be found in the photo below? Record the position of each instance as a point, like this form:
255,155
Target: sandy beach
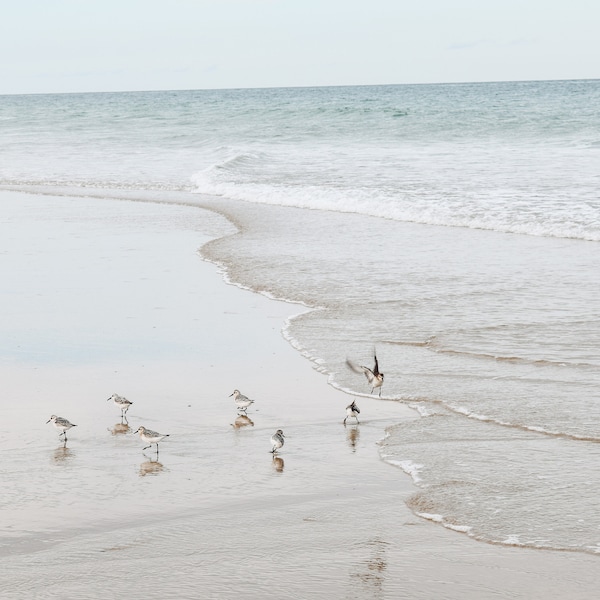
107,296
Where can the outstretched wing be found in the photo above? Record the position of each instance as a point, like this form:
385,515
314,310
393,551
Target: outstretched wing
360,369
376,368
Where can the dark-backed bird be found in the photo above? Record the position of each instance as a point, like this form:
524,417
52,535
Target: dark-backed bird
352,411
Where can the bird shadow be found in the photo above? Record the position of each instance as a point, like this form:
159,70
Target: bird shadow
62,454
278,464
120,428
352,436
151,467
242,421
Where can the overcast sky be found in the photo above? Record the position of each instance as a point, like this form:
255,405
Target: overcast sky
112,45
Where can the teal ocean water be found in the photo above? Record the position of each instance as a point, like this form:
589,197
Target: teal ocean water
454,228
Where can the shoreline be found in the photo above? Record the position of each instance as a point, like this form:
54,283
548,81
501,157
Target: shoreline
331,520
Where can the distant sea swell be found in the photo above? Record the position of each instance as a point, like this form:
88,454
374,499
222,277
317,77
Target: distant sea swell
512,157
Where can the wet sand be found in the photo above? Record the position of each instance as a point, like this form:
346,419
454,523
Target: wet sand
106,296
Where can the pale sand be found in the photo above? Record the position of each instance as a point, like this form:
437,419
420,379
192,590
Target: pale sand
114,303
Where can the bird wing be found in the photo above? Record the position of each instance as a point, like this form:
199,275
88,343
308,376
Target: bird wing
376,368
356,368
360,369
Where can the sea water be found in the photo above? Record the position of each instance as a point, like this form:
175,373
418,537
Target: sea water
453,228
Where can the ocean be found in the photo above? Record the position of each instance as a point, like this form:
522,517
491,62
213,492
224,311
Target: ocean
453,229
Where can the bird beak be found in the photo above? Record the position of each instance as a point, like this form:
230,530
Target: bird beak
48,421
231,394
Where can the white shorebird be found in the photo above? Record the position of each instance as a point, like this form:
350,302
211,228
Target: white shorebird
374,377
150,437
121,402
277,439
62,424
241,401
352,411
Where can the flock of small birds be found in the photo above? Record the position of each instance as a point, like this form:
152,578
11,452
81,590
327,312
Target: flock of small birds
374,378
147,435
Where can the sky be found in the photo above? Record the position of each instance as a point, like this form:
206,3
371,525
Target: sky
50,46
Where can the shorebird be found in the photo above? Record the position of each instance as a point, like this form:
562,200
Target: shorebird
61,424
277,439
242,402
374,377
352,411
121,402
151,437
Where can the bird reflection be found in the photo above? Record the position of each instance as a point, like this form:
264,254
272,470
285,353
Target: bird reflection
242,421
372,572
352,436
151,467
120,428
62,454
278,463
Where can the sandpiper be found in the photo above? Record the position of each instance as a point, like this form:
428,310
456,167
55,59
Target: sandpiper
374,377
277,439
242,402
121,402
151,437
61,424
352,411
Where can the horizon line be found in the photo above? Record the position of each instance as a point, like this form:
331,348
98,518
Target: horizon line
286,87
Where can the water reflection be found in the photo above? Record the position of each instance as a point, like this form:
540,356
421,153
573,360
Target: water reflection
151,467
62,455
352,436
243,421
120,428
278,464
371,572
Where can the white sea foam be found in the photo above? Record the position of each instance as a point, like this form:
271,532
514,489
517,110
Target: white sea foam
409,467
442,521
424,411
400,207
512,540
